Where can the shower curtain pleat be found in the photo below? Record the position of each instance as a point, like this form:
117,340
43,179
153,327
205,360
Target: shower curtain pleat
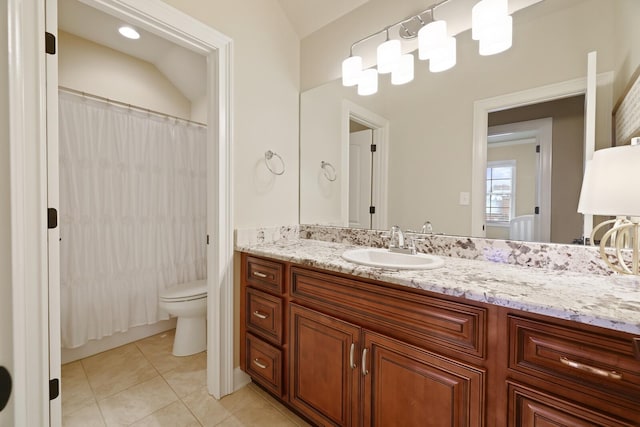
132,215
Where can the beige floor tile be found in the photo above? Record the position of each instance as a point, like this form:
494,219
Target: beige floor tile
242,408
116,370
174,415
279,406
87,416
137,402
189,376
76,391
157,349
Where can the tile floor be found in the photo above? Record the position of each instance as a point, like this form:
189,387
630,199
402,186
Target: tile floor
143,384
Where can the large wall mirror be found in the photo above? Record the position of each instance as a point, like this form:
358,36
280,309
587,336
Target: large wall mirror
531,102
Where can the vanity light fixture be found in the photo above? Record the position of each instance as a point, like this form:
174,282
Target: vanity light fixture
492,27
609,188
129,32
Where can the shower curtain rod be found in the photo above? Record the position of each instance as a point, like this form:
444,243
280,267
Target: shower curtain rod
124,104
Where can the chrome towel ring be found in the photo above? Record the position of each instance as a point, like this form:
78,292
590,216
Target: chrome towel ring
268,156
328,170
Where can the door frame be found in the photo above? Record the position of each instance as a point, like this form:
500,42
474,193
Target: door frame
543,134
481,110
28,157
380,127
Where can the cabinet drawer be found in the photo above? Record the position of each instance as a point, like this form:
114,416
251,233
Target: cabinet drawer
264,363
427,322
557,353
264,315
530,408
265,275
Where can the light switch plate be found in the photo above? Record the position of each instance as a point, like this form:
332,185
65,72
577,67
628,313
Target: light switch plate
465,198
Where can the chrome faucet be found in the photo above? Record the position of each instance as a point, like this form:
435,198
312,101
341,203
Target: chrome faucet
397,242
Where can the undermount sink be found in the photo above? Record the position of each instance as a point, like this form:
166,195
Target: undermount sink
383,258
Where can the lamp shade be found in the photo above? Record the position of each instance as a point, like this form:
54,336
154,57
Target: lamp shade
431,37
403,72
368,84
610,184
351,70
444,57
498,37
484,14
388,56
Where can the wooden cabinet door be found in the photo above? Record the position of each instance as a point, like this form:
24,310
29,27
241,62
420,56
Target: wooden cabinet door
531,408
324,375
407,386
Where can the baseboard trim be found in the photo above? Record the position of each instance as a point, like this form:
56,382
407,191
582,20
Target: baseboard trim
240,379
116,340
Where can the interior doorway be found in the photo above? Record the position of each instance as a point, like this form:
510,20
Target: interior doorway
184,30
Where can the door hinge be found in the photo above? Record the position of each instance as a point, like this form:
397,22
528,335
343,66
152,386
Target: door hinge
52,218
207,239
537,210
372,209
373,148
54,388
537,148
50,43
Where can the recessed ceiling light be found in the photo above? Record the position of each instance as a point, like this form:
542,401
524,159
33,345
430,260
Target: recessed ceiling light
129,32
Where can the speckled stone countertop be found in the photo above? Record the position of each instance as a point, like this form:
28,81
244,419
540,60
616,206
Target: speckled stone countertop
608,301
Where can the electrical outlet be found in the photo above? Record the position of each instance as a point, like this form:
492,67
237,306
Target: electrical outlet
465,198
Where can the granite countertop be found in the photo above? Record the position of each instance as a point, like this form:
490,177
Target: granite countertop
608,301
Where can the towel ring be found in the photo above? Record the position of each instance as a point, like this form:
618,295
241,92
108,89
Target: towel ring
268,156
330,175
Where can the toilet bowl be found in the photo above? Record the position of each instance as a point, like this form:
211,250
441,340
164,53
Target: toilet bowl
187,302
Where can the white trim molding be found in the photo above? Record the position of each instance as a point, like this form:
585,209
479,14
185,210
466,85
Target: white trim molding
380,127
481,110
28,159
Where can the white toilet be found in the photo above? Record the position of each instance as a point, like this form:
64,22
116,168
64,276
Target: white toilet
187,302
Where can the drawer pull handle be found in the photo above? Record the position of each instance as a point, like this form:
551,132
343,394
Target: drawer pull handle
261,275
259,364
365,371
260,315
591,369
351,362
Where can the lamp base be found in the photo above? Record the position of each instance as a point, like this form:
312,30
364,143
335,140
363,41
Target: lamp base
622,233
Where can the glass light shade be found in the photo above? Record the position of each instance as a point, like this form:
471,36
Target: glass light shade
445,57
430,38
389,54
498,38
351,70
610,182
403,72
484,14
368,84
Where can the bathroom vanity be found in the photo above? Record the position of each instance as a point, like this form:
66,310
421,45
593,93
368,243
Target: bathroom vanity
470,344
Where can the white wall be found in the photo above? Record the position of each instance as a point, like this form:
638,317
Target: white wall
6,336
627,54
266,87
99,70
430,147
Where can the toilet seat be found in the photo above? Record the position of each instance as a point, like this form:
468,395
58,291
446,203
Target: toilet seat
188,291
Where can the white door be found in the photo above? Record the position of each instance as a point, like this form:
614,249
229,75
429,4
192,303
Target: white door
6,321
53,234
360,172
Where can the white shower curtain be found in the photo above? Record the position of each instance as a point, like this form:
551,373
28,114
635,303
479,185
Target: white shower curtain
132,215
